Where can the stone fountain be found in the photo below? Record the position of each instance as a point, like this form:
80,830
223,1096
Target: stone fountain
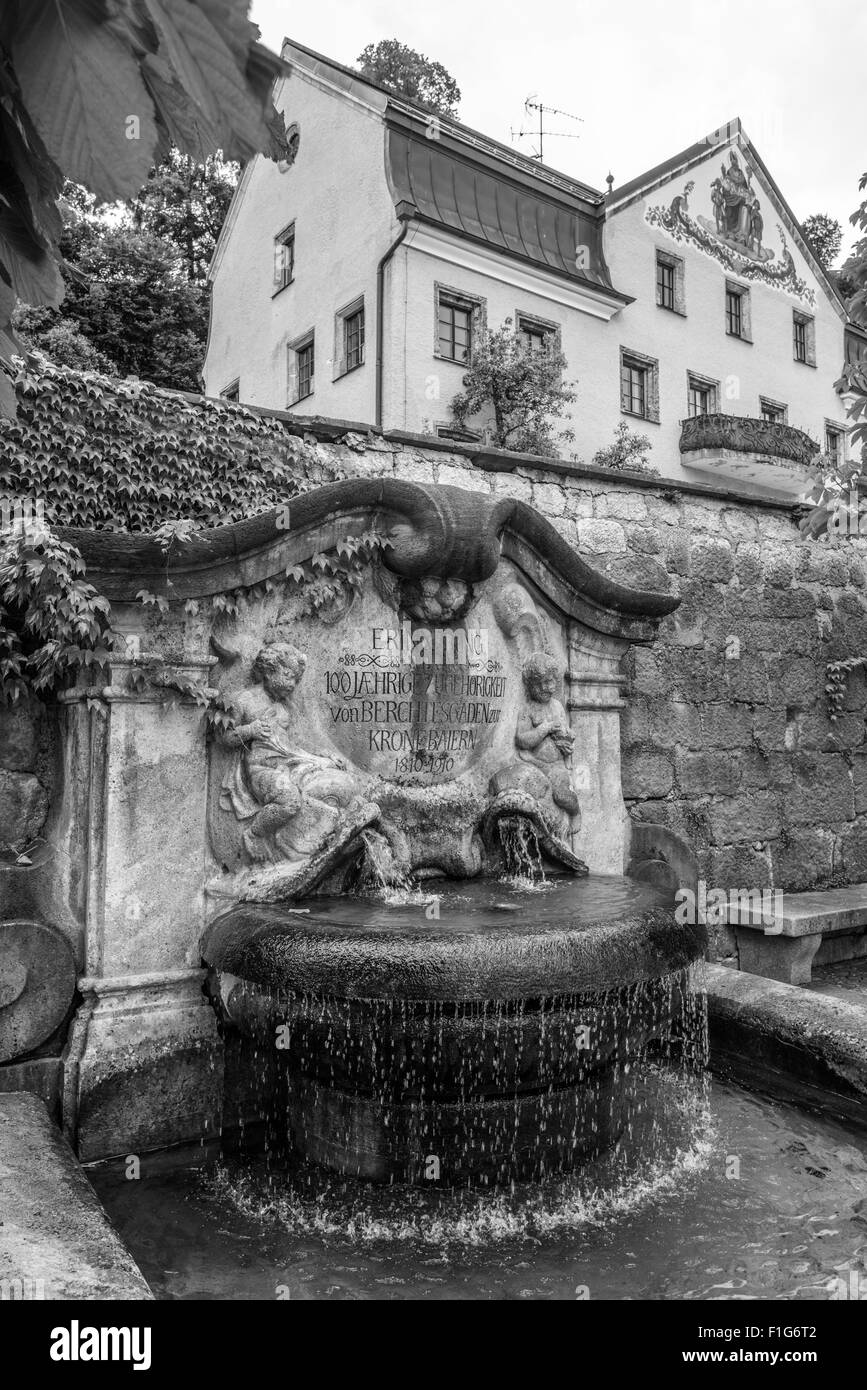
403,874
408,805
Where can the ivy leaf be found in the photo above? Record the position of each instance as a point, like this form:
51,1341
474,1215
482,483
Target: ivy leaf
82,85
207,71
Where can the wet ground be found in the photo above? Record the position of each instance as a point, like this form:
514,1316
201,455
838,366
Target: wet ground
847,981
763,1202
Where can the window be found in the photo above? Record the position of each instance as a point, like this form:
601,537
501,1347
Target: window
232,392
669,282
738,312
639,385
458,318
664,284
284,259
353,338
301,357
634,388
534,340
803,338
834,435
537,335
773,411
702,395
455,330
460,436
305,371
293,142
349,338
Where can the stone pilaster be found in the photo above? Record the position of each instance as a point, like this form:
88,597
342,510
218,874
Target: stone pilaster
144,1058
594,703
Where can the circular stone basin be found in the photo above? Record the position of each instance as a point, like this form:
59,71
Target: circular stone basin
508,1037
490,941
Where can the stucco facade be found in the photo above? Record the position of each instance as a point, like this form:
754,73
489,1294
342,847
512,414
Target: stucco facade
336,196
389,208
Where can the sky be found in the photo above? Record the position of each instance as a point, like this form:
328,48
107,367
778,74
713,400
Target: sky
646,77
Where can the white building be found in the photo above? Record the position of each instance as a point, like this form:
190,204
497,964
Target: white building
352,283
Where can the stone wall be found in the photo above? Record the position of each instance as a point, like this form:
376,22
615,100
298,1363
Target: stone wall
726,737
26,776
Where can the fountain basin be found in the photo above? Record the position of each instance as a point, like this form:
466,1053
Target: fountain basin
505,1039
489,941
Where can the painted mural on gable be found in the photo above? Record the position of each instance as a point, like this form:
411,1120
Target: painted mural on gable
732,228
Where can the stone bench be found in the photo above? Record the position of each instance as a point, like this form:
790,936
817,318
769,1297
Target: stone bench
810,929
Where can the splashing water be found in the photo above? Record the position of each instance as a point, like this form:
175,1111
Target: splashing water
474,1094
668,1142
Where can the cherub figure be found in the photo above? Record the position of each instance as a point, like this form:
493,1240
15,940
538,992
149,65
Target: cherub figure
543,736
292,799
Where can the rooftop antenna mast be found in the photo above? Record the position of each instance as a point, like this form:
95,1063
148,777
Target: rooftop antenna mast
531,105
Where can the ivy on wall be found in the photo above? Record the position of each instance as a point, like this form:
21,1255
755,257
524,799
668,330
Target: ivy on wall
52,620
129,456
91,451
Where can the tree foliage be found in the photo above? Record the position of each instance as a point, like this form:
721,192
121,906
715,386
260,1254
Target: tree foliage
854,378
126,299
855,268
524,389
136,300
61,341
412,75
834,498
627,453
825,236
97,91
184,203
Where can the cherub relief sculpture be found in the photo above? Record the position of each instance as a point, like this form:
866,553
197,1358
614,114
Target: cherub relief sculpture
537,784
292,801
539,773
542,735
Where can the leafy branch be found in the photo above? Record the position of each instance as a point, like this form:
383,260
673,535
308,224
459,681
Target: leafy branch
153,671
837,674
53,622
330,575
72,71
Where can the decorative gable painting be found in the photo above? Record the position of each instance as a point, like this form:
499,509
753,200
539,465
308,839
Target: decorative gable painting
732,228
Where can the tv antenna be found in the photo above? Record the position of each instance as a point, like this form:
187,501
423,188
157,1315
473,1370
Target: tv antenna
532,105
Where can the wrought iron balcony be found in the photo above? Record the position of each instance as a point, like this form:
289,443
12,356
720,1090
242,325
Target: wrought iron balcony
740,448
